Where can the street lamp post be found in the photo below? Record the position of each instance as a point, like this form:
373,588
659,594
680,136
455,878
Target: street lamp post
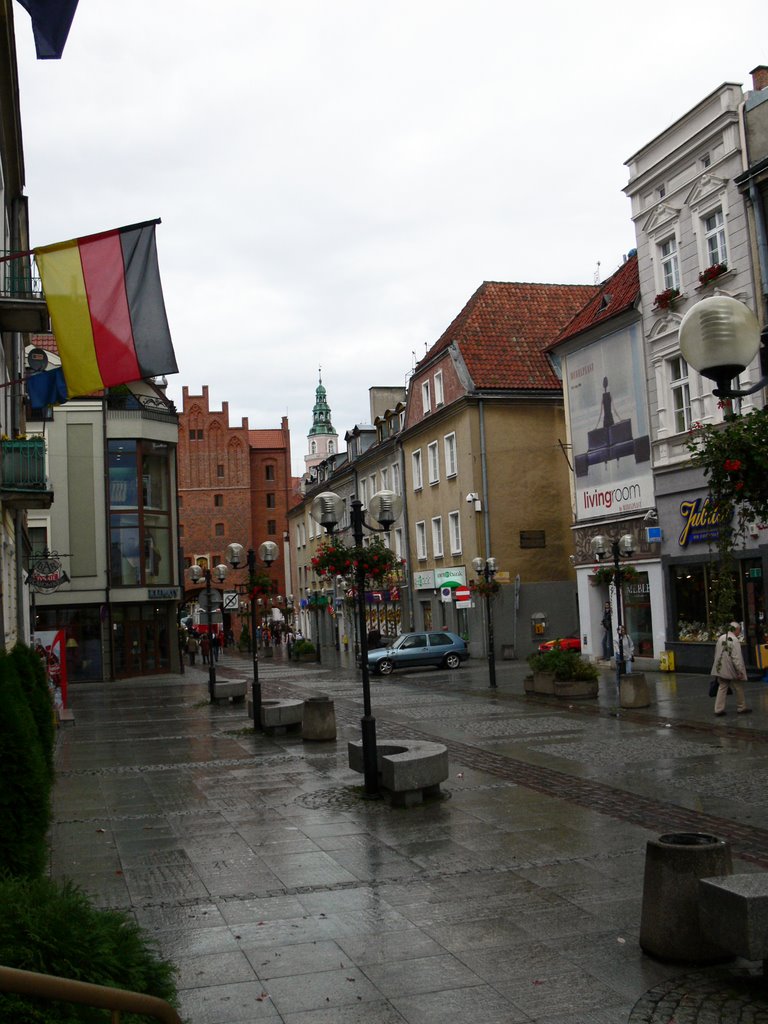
618,548
486,570
197,574
384,507
267,553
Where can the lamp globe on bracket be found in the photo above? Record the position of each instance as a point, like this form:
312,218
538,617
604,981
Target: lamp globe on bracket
327,509
234,555
600,547
719,337
627,545
195,573
386,507
268,552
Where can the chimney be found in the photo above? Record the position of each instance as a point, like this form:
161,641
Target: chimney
759,77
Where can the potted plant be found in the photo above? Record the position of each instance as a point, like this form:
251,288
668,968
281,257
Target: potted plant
304,650
334,558
563,673
606,573
666,298
484,588
712,272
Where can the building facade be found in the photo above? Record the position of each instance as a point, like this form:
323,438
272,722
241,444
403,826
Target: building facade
235,486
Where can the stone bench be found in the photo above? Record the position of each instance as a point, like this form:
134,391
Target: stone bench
733,912
65,716
230,688
279,714
409,770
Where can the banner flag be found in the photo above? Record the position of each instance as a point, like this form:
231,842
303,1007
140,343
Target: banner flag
106,305
51,22
47,388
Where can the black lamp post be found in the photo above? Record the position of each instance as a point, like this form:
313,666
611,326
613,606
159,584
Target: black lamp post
486,570
197,574
618,548
385,507
719,337
267,553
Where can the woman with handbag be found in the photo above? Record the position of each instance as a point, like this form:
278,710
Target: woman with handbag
627,648
729,669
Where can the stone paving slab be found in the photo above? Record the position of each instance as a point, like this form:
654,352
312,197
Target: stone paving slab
283,896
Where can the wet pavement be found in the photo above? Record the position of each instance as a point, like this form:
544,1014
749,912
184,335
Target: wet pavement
282,895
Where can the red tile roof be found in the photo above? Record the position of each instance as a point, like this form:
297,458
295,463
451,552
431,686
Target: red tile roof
616,295
266,439
505,328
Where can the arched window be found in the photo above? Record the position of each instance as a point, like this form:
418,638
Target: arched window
313,447
331,448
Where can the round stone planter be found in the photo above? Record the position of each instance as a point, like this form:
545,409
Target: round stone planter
544,682
634,692
669,925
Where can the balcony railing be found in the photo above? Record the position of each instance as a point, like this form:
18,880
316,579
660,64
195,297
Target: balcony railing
20,278
23,465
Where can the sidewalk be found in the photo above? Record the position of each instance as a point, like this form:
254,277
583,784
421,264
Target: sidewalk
282,896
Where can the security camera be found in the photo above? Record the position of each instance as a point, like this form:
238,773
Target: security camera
651,516
472,496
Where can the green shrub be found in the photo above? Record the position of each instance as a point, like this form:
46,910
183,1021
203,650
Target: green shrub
564,664
303,647
54,930
31,672
25,796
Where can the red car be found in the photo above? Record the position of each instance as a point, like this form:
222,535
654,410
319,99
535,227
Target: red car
572,642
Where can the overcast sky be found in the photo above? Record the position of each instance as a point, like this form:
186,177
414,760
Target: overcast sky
336,179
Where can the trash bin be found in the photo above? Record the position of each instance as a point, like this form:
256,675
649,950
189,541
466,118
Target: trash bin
669,926
319,719
667,661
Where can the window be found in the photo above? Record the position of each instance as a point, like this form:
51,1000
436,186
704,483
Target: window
450,455
139,513
681,395
434,463
271,500
396,479
399,542
269,472
218,501
385,479
271,526
437,536
714,238
219,531
195,435
418,480
364,492
454,532
421,540
331,447
38,539
372,482
220,471
426,401
670,266
533,539
661,191
439,394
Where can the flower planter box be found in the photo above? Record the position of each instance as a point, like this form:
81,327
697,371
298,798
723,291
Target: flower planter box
692,657
576,689
544,682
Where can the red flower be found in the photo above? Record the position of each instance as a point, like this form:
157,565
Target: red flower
732,465
739,485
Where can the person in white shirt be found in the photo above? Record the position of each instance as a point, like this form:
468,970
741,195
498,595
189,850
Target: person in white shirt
627,648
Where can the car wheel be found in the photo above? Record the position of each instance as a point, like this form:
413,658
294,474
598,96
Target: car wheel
452,661
385,667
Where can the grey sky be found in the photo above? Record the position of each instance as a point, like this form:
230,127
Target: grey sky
336,179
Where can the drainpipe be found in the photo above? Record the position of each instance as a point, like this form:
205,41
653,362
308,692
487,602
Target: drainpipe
484,470
407,539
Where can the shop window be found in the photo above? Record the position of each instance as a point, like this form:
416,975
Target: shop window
139,517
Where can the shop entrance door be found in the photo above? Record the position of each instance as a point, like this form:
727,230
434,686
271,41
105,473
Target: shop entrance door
140,641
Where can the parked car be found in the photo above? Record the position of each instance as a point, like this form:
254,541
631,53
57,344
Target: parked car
572,642
439,648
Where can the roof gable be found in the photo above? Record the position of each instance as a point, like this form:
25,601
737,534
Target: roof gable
504,330
615,295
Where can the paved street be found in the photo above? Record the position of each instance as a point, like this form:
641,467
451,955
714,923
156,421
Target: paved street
283,896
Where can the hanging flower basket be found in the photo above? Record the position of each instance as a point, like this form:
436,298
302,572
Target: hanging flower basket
666,298
606,573
333,558
709,275
484,588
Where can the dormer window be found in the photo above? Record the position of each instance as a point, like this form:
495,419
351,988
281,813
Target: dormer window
426,400
439,394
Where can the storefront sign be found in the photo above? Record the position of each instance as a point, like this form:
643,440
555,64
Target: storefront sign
163,594
46,574
455,576
424,580
701,522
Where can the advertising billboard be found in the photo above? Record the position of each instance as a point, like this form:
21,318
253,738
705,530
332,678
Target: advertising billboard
605,382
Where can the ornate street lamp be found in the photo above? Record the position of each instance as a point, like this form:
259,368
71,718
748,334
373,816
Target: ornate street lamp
618,548
196,575
486,569
719,337
268,552
385,507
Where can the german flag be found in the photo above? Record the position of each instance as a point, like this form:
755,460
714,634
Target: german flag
106,305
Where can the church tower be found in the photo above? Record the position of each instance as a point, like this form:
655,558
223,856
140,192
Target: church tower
322,439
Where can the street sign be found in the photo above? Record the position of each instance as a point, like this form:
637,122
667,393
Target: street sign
231,601
462,594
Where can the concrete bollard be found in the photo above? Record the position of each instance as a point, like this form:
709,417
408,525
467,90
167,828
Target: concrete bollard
319,719
669,927
633,691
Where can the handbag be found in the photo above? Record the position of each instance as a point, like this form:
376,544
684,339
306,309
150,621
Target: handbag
713,686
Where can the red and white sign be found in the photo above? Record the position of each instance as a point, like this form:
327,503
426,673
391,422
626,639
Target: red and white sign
462,594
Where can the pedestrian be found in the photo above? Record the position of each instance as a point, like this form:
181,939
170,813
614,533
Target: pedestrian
729,670
607,625
215,645
205,648
192,647
627,648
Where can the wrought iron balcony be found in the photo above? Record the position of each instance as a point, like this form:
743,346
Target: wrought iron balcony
23,481
22,305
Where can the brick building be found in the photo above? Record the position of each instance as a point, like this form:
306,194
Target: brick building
235,485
